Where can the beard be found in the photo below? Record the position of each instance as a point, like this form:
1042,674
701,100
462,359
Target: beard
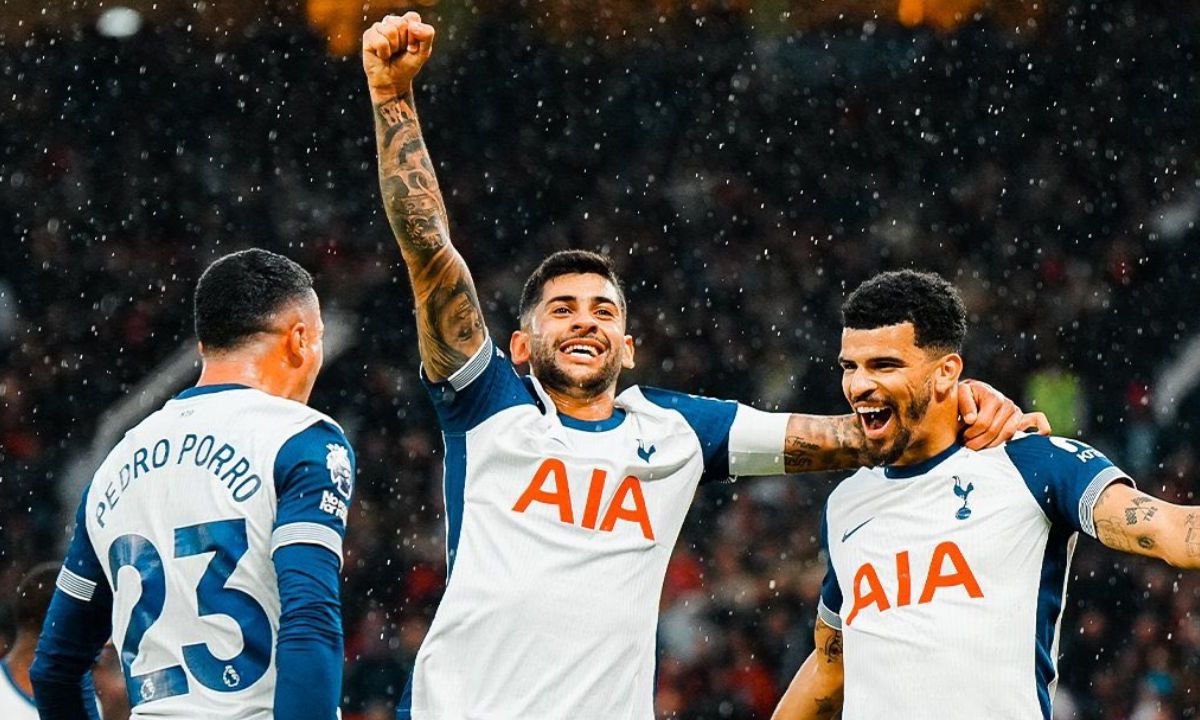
913,414
543,363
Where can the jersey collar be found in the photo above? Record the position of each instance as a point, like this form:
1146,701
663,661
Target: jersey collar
209,389
610,422
911,471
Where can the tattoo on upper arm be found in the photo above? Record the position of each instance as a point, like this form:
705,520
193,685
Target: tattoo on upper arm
1112,535
826,706
1191,525
832,649
449,316
815,442
1138,510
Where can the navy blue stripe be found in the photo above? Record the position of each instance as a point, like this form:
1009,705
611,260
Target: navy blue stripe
1049,611
607,423
209,389
454,488
404,709
911,471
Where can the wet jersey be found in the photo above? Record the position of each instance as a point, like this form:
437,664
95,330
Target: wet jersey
947,578
558,537
177,530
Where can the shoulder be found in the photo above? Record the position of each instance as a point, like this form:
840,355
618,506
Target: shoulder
1038,454
846,493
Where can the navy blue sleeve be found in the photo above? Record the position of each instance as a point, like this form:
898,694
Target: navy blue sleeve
308,654
314,481
77,624
487,384
830,607
710,419
1064,476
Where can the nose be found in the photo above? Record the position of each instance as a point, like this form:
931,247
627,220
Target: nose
860,384
584,323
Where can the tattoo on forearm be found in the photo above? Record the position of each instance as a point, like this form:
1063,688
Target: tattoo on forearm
823,443
449,317
826,707
411,196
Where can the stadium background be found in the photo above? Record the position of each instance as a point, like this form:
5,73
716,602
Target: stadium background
746,163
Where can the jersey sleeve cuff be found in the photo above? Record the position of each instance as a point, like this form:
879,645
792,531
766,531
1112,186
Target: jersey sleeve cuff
756,441
473,368
308,533
1087,501
75,585
828,616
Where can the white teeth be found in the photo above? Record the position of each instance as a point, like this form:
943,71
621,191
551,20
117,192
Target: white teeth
581,349
867,410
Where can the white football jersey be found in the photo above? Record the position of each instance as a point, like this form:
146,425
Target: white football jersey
947,578
180,523
559,532
14,703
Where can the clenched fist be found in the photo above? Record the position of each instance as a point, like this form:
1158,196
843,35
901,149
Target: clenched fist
394,50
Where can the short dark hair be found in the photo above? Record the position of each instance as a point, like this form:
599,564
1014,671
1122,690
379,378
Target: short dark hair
238,293
33,596
924,299
568,262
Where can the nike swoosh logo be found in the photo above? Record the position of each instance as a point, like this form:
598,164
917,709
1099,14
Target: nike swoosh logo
848,533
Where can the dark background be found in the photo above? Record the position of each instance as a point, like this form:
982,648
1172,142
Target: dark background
744,174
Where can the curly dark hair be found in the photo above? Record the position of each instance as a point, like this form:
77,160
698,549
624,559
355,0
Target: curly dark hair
568,262
924,299
237,295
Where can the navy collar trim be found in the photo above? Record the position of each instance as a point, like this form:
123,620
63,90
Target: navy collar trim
910,471
608,423
209,389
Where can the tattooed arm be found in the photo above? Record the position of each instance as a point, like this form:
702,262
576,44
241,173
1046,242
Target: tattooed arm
449,319
816,691
1131,521
817,442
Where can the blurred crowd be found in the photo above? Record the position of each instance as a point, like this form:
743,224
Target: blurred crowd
744,183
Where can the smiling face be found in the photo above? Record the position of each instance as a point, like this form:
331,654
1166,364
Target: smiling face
901,393
574,338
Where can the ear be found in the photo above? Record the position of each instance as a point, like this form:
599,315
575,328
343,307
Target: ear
947,374
297,344
627,352
519,347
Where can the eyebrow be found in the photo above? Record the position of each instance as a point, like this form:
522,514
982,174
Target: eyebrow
572,298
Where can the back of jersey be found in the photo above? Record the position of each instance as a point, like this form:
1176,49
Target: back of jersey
183,517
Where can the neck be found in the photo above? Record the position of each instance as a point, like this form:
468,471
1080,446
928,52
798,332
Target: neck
937,431
19,658
592,407
248,373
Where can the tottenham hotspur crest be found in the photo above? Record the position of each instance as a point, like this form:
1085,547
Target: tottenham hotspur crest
338,462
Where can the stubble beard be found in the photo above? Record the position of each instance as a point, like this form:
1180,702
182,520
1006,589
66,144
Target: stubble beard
888,454
545,368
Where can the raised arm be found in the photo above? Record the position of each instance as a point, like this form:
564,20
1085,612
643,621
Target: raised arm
823,442
450,324
1134,522
816,690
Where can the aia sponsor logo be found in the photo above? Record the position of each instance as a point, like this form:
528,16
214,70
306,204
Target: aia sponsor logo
948,569
549,486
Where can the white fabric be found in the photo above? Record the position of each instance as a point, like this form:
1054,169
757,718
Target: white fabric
178,493
756,442
551,609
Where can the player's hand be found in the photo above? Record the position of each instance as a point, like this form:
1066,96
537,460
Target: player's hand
991,418
394,51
